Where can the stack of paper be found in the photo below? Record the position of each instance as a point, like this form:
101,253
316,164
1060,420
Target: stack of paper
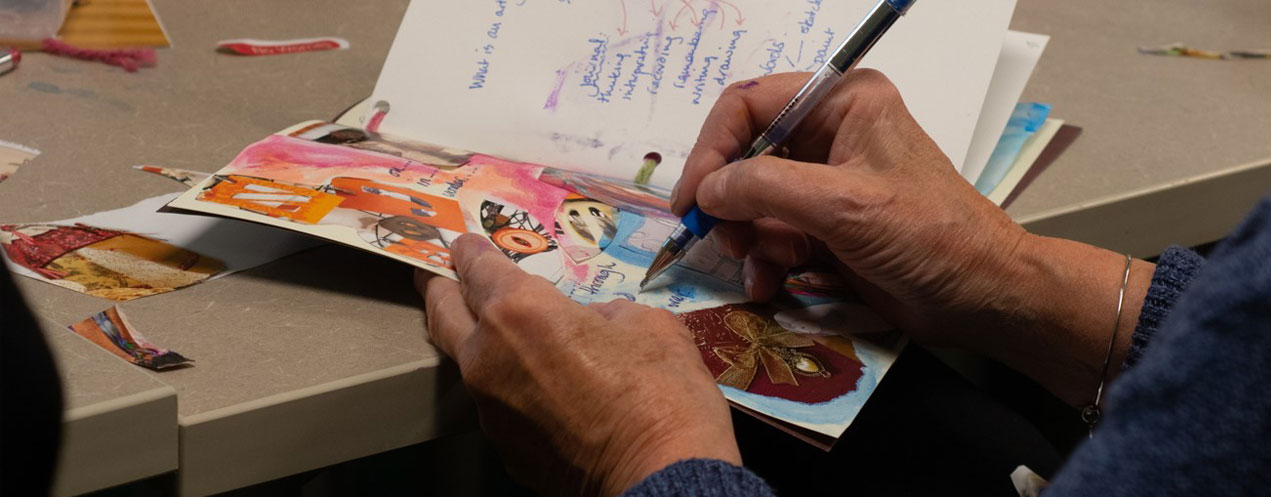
1011,136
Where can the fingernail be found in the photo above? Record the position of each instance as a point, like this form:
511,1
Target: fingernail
748,279
675,192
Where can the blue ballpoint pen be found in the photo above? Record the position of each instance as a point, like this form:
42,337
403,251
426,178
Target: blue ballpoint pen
696,224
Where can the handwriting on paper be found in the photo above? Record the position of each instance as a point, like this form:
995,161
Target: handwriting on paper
689,49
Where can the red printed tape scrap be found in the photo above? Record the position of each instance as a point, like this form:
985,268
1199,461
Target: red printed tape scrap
109,330
249,46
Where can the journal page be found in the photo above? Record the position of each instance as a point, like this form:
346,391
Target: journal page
596,86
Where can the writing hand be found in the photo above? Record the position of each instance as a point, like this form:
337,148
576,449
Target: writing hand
866,189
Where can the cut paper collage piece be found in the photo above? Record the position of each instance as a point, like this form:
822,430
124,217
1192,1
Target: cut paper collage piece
136,251
103,24
110,330
1028,154
811,374
1025,120
251,46
185,177
1181,50
593,237
13,157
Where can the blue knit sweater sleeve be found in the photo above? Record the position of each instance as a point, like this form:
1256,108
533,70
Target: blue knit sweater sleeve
1193,416
1175,269
701,478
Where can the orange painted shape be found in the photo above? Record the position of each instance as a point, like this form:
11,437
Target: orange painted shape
298,203
389,200
520,241
429,253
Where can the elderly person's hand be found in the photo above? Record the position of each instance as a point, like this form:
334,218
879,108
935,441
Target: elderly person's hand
577,399
865,188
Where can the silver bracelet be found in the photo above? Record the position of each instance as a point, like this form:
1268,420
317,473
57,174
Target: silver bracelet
1091,413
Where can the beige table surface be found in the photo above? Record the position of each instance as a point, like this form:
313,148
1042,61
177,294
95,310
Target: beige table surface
320,357
1174,150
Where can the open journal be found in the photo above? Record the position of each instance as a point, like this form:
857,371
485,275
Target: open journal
547,110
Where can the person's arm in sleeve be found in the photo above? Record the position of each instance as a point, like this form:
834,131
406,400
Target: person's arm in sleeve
1193,416
701,478
1175,269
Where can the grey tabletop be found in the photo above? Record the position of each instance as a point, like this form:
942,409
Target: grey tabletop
320,357
110,406
1174,150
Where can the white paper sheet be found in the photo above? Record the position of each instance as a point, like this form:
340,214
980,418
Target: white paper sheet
594,86
1020,53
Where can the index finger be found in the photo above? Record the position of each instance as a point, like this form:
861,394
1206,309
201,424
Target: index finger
740,113
483,269
449,321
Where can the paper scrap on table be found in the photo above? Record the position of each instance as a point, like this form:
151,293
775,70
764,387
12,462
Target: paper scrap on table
110,330
251,46
136,251
1028,154
592,237
1027,118
1028,483
1181,50
183,176
14,156
102,24
594,86
1020,53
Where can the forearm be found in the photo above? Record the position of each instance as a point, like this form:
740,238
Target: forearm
1065,315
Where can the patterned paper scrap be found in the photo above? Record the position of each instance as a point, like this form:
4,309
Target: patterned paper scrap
809,360
104,263
1027,118
250,46
14,156
185,177
136,251
111,331
1181,50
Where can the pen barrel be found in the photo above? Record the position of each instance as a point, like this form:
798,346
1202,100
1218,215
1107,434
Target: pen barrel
849,54
799,107
698,223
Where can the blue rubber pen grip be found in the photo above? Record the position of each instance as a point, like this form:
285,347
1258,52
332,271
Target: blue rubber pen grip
698,223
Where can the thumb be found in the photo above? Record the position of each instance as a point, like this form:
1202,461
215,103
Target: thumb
820,200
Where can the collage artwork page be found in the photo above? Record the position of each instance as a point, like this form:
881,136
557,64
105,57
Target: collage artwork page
808,359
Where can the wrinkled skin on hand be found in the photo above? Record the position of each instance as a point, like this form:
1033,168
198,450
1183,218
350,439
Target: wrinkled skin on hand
578,399
914,238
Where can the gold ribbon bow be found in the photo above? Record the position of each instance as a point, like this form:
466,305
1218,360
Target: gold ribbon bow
769,345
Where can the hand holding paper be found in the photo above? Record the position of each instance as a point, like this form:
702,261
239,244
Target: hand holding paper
610,393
